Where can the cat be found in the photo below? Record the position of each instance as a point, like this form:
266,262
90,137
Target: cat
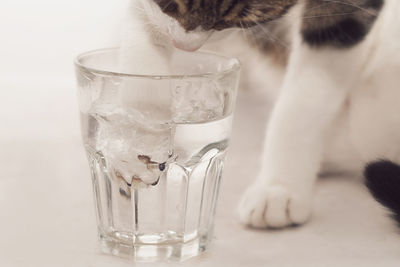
338,104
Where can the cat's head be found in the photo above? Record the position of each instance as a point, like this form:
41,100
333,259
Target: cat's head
189,23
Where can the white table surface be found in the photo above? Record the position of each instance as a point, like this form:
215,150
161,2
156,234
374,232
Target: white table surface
47,213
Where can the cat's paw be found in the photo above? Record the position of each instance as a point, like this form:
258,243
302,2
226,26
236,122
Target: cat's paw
273,206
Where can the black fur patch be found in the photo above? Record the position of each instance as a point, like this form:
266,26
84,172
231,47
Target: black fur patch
344,33
339,24
376,4
383,180
231,6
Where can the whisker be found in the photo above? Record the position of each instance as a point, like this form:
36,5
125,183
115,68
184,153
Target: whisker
167,5
352,5
274,39
243,31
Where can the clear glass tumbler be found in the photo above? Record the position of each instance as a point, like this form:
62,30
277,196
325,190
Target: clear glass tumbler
156,147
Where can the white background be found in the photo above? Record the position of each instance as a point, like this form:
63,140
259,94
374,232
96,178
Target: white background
46,208
38,42
41,37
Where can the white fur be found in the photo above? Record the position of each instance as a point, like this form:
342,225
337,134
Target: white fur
337,109
144,51
168,26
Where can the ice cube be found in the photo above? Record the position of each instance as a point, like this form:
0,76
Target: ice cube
197,101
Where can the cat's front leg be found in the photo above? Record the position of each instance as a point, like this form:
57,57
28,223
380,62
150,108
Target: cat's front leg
314,90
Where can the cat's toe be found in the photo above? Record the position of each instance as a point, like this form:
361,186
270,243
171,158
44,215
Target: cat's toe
276,213
252,208
273,206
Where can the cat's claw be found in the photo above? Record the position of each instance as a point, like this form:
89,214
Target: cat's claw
273,206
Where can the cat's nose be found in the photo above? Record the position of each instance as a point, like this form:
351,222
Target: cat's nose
191,41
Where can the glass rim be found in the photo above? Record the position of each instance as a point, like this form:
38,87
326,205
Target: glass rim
78,63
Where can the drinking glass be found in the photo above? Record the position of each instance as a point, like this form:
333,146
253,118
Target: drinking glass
156,147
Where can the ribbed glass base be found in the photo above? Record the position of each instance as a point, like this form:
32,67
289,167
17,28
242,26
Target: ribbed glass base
166,252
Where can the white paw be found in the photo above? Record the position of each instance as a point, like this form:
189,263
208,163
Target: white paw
273,206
